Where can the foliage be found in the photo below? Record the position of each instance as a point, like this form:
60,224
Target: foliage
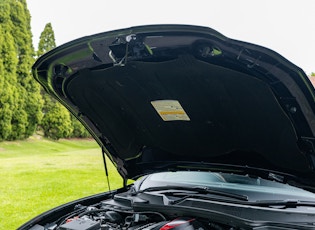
56,123
46,40
46,43
20,102
78,129
7,81
32,103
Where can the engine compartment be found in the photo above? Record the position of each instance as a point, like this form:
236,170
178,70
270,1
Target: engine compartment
135,223
106,218
125,210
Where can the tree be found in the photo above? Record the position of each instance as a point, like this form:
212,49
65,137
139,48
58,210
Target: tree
7,81
78,129
13,119
46,40
52,110
56,123
31,103
21,101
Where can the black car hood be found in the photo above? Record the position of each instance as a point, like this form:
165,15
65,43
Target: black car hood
167,97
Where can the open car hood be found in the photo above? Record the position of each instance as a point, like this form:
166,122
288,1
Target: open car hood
167,97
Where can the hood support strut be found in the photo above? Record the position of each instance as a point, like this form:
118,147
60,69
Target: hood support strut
105,167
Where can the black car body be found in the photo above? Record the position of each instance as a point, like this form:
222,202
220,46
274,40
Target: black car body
217,133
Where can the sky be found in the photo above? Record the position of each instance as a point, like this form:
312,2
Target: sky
285,26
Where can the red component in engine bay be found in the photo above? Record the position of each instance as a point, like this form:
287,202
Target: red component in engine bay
182,223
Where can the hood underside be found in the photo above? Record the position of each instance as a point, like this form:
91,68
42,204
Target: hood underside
162,94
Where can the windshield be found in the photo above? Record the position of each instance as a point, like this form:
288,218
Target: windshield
257,189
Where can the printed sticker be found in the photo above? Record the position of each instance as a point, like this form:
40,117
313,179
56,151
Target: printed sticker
170,110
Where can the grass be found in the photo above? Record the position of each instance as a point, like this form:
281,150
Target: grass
39,174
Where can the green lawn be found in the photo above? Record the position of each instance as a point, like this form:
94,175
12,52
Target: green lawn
39,174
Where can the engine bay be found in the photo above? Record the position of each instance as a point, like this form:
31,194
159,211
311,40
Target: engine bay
105,217
135,212
136,221
169,210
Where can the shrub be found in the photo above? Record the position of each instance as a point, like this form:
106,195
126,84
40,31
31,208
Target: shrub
56,122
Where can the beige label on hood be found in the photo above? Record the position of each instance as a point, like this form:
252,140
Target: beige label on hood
170,110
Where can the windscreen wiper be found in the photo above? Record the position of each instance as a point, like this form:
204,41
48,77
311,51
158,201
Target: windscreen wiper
197,190
282,204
